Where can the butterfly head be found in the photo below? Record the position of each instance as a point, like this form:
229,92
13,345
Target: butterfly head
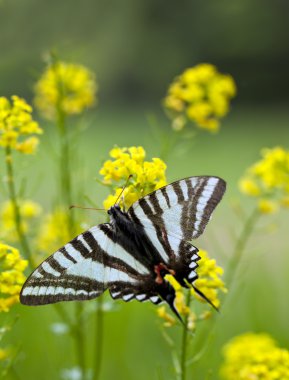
114,210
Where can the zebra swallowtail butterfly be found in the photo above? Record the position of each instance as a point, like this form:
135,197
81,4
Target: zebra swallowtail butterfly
131,255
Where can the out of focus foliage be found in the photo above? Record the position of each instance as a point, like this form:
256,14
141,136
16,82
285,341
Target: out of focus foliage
148,43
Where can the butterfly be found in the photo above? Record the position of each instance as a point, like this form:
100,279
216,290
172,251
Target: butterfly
131,255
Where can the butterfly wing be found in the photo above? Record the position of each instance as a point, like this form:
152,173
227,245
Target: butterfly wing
87,266
182,208
177,213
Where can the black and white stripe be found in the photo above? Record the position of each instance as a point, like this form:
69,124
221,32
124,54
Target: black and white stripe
126,255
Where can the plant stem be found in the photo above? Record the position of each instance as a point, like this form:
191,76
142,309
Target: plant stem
66,194
240,246
183,364
65,166
79,338
16,209
241,243
98,338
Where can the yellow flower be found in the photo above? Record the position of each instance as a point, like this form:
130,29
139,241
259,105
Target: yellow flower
268,179
169,320
12,267
249,187
256,357
4,354
267,206
65,87
200,94
129,164
29,211
209,281
16,125
55,231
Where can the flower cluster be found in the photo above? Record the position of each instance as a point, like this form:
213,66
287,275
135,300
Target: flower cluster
268,180
11,276
28,210
17,125
255,356
65,87
200,94
209,283
129,164
54,231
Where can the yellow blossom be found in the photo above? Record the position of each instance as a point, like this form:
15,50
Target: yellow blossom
249,187
169,320
267,206
16,125
12,267
200,94
256,357
268,179
209,281
29,211
65,87
4,354
129,164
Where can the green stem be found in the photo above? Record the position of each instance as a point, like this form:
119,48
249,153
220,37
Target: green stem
14,374
79,338
98,339
240,246
66,193
242,241
184,346
16,209
169,143
65,165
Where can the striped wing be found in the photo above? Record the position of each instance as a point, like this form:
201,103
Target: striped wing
180,211
87,266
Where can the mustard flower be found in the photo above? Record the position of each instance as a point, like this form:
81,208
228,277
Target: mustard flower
146,176
12,267
4,354
55,231
200,94
17,125
28,210
65,87
209,283
256,357
268,180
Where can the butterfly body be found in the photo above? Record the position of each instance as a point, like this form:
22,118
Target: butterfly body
132,254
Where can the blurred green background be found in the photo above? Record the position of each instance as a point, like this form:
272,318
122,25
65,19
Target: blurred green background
136,48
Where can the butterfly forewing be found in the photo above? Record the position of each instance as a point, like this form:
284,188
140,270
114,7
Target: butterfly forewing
83,269
182,209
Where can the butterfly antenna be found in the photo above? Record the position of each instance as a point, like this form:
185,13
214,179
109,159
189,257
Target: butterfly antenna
125,185
87,208
201,294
